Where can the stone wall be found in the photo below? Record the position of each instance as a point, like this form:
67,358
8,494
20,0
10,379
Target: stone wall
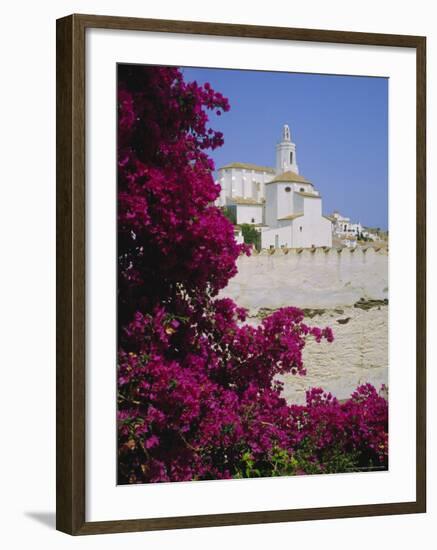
320,278
346,290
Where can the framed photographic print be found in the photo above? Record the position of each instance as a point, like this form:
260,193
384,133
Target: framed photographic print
240,274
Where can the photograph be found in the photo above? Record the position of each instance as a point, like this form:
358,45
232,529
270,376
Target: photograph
215,228
252,274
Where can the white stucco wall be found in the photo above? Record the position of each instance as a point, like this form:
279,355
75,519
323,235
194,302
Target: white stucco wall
271,205
312,207
283,163
337,367
332,283
248,213
240,182
285,199
305,187
302,232
281,203
309,279
277,237
285,223
306,231
316,231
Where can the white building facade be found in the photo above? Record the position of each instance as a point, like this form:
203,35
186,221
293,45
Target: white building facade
343,227
240,180
247,211
294,216
283,204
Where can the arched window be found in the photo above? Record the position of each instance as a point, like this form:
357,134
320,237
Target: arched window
302,189
288,189
291,157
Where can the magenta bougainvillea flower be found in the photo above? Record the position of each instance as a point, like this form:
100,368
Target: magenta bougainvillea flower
198,390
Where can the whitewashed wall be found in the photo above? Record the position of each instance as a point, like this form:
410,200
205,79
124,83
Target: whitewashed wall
283,234
271,205
316,230
316,279
358,355
283,163
311,229
240,182
330,282
306,187
249,213
285,199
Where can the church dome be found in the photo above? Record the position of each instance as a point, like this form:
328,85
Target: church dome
290,177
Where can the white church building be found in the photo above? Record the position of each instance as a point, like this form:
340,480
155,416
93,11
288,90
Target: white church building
283,204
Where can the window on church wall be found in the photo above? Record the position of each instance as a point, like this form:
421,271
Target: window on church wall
287,189
291,157
302,189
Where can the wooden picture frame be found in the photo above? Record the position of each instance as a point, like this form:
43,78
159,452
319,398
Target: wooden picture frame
71,253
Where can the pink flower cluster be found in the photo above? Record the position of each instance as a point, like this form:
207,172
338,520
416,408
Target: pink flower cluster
197,389
169,232
356,430
198,393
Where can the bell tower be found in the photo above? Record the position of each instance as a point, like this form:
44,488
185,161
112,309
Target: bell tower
286,153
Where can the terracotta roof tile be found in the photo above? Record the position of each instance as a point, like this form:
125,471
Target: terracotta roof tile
244,200
290,177
309,195
292,216
248,166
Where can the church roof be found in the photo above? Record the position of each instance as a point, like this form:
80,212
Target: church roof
291,216
244,200
290,177
248,166
309,195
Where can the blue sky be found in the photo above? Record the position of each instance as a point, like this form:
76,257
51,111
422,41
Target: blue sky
339,125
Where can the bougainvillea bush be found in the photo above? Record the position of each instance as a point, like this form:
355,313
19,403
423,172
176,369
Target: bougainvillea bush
198,390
